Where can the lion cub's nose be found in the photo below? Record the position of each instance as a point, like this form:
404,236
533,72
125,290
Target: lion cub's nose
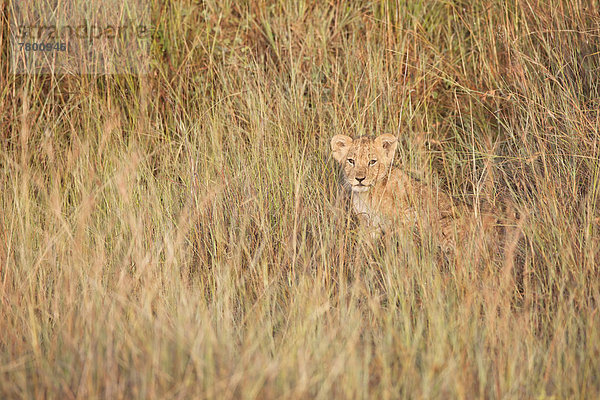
360,179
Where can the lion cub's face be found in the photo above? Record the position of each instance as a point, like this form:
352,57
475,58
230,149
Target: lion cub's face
365,160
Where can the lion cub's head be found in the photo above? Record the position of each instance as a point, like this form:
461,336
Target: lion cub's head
364,160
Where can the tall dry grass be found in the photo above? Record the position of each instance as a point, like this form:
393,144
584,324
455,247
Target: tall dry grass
183,234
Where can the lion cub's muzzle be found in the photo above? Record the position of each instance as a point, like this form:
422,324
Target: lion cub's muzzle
359,185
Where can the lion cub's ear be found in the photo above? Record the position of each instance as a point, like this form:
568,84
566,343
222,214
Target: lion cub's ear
387,143
340,144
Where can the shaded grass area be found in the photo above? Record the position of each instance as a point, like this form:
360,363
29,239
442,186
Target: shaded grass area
183,234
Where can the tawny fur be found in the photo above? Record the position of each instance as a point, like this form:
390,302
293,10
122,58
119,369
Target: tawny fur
384,195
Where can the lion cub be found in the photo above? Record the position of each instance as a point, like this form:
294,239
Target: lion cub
383,194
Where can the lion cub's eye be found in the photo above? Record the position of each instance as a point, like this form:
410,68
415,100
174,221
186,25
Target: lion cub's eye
350,161
372,162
